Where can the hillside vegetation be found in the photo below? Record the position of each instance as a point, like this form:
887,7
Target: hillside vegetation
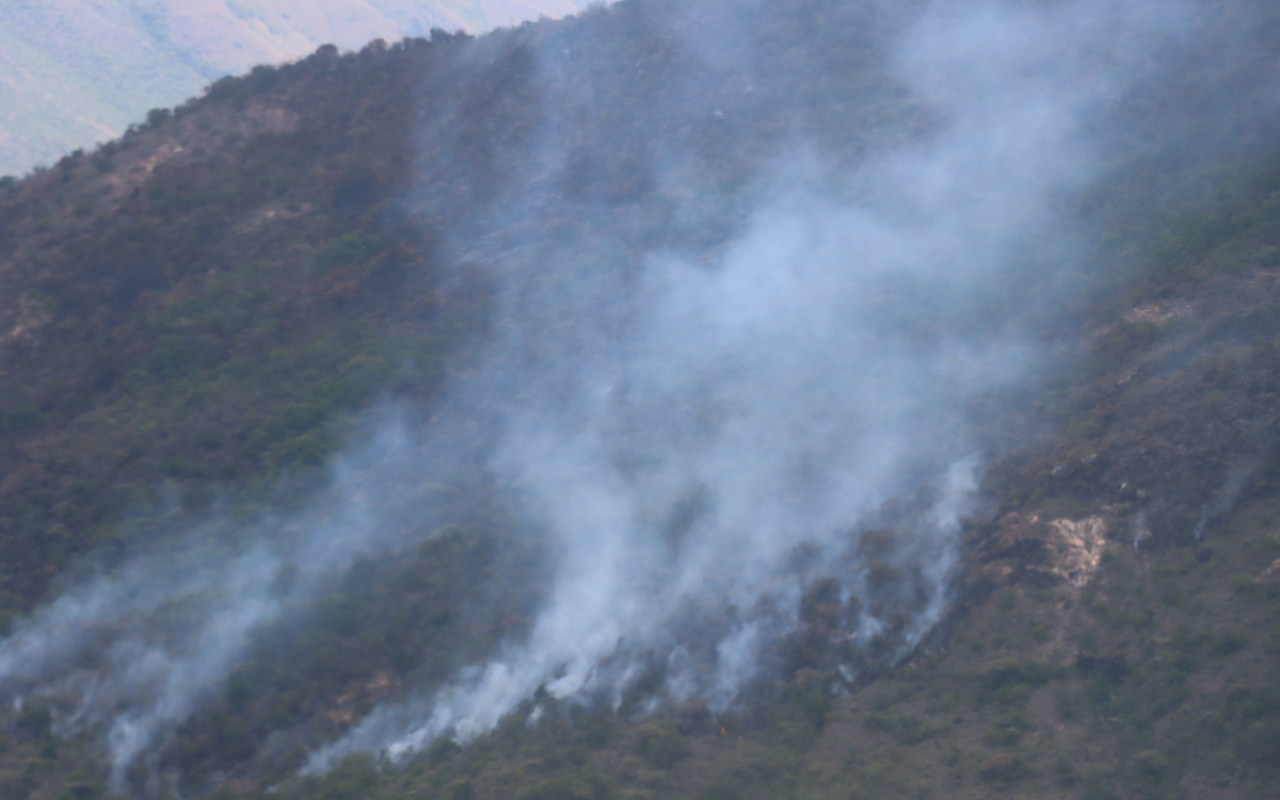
203,313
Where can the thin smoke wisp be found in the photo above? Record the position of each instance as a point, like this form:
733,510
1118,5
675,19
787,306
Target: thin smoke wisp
135,652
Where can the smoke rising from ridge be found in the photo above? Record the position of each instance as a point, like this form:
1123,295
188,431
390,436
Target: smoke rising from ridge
711,392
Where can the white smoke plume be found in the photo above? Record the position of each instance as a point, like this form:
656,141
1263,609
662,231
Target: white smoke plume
682,430
136,651
1140,530
701,434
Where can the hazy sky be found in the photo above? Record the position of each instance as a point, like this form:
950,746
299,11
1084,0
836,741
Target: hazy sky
77,72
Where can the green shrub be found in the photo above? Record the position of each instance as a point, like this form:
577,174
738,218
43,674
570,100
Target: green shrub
345,250
462,790
1228,643
354,778
1244,583
1065,769
1069,703
723,788
1006,733
1002,767
1149,765
595,728
1097,787
661,744
562,789
905,729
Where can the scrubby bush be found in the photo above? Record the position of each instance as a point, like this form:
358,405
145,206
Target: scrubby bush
661,744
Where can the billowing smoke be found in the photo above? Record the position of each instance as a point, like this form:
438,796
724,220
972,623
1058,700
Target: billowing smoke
715,428
713,394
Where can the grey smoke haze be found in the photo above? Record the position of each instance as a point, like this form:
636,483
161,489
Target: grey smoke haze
681,430
133,653
689,428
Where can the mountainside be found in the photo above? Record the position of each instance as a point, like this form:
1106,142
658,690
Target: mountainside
73,72
710,400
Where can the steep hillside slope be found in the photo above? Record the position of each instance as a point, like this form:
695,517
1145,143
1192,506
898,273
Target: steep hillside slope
259,204
322,392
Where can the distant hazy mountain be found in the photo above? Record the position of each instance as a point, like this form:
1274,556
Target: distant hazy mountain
74,72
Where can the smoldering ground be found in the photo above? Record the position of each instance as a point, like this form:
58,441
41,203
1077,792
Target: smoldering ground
750,263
